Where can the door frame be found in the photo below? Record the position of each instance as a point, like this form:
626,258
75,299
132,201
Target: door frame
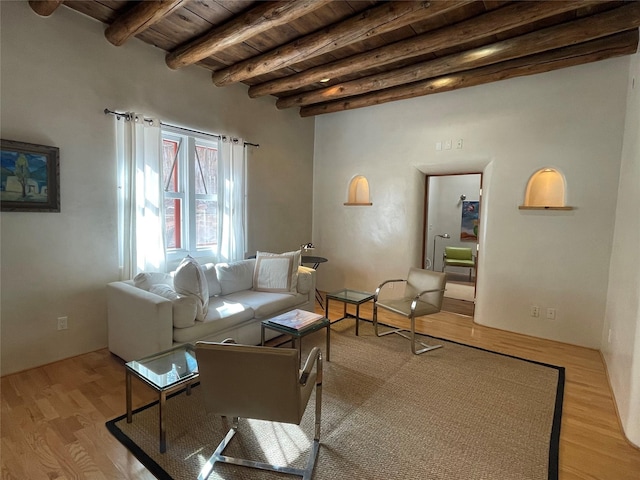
425,219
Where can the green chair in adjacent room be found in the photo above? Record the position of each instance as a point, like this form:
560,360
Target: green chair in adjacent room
459,257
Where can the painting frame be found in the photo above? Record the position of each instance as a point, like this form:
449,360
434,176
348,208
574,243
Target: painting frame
470,221
35,183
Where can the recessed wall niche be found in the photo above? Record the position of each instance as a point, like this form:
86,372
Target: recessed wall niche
546,191
358,193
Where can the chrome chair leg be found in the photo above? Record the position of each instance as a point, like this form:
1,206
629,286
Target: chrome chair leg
388,332
305,473
426,348
409,334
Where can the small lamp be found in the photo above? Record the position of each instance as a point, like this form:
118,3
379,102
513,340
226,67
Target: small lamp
305,247
435,237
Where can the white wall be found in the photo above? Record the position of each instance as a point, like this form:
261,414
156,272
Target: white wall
57,76
572,120
621,332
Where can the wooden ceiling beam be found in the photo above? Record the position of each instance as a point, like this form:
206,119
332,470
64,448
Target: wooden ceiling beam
625,43
44,8
257,20
484,26
378,20
570,33
139,18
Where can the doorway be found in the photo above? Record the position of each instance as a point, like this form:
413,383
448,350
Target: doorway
451,219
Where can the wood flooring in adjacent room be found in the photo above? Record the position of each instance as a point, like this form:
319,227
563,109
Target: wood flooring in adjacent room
52,424
459,295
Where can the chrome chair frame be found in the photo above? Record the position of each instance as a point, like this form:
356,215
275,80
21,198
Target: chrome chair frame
409,334
314,358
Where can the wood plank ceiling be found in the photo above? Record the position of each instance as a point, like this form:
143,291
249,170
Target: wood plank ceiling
332,55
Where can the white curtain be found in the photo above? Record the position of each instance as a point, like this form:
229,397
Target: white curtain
140,200
231,200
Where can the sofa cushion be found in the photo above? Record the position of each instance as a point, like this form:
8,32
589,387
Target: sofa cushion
212,279
235,276
189,279
185,308
223,314
145,280
305,280
276,272
266,304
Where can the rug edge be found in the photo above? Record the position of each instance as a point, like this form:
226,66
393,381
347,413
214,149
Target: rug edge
554,441
151,465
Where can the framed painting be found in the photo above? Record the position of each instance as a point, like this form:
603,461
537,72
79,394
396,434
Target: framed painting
30,177
470,220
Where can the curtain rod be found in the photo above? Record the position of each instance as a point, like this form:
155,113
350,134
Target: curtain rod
127,116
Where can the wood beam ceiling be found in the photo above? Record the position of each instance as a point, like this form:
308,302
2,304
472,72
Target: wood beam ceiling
260,19
141,17
547,39
385,18
44,8
621,44
327,56
478,28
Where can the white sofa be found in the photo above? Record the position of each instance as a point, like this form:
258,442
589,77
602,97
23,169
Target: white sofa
141,322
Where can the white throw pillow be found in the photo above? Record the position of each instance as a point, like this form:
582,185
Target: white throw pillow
145,280
185,308
235,276
276,272
212,279
190,280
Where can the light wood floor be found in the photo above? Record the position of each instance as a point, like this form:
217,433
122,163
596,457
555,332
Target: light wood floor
52,423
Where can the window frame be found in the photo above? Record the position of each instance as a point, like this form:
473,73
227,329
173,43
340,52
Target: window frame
186,185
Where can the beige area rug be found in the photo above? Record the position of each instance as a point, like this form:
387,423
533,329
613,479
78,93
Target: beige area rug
455,413
459,291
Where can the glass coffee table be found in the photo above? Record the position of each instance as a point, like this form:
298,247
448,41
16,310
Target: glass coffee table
298,324
348,297
166,372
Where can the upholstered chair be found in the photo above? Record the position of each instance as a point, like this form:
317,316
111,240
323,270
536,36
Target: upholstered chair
263,383
459,257
423,293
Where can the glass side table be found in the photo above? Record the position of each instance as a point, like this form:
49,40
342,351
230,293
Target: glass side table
348,297
166,372
297,324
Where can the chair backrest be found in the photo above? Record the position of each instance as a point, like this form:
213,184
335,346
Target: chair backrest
458,253
420,280
250,381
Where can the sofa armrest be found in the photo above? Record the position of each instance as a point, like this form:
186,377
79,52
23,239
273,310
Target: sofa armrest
140,323
306,281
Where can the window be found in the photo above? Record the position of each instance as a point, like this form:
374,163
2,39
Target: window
190,179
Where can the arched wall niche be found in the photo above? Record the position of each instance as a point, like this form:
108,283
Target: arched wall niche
358,193
546,189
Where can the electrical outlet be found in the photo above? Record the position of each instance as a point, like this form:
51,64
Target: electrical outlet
62,323
447,144
459,143
551,313
535,311
438,146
